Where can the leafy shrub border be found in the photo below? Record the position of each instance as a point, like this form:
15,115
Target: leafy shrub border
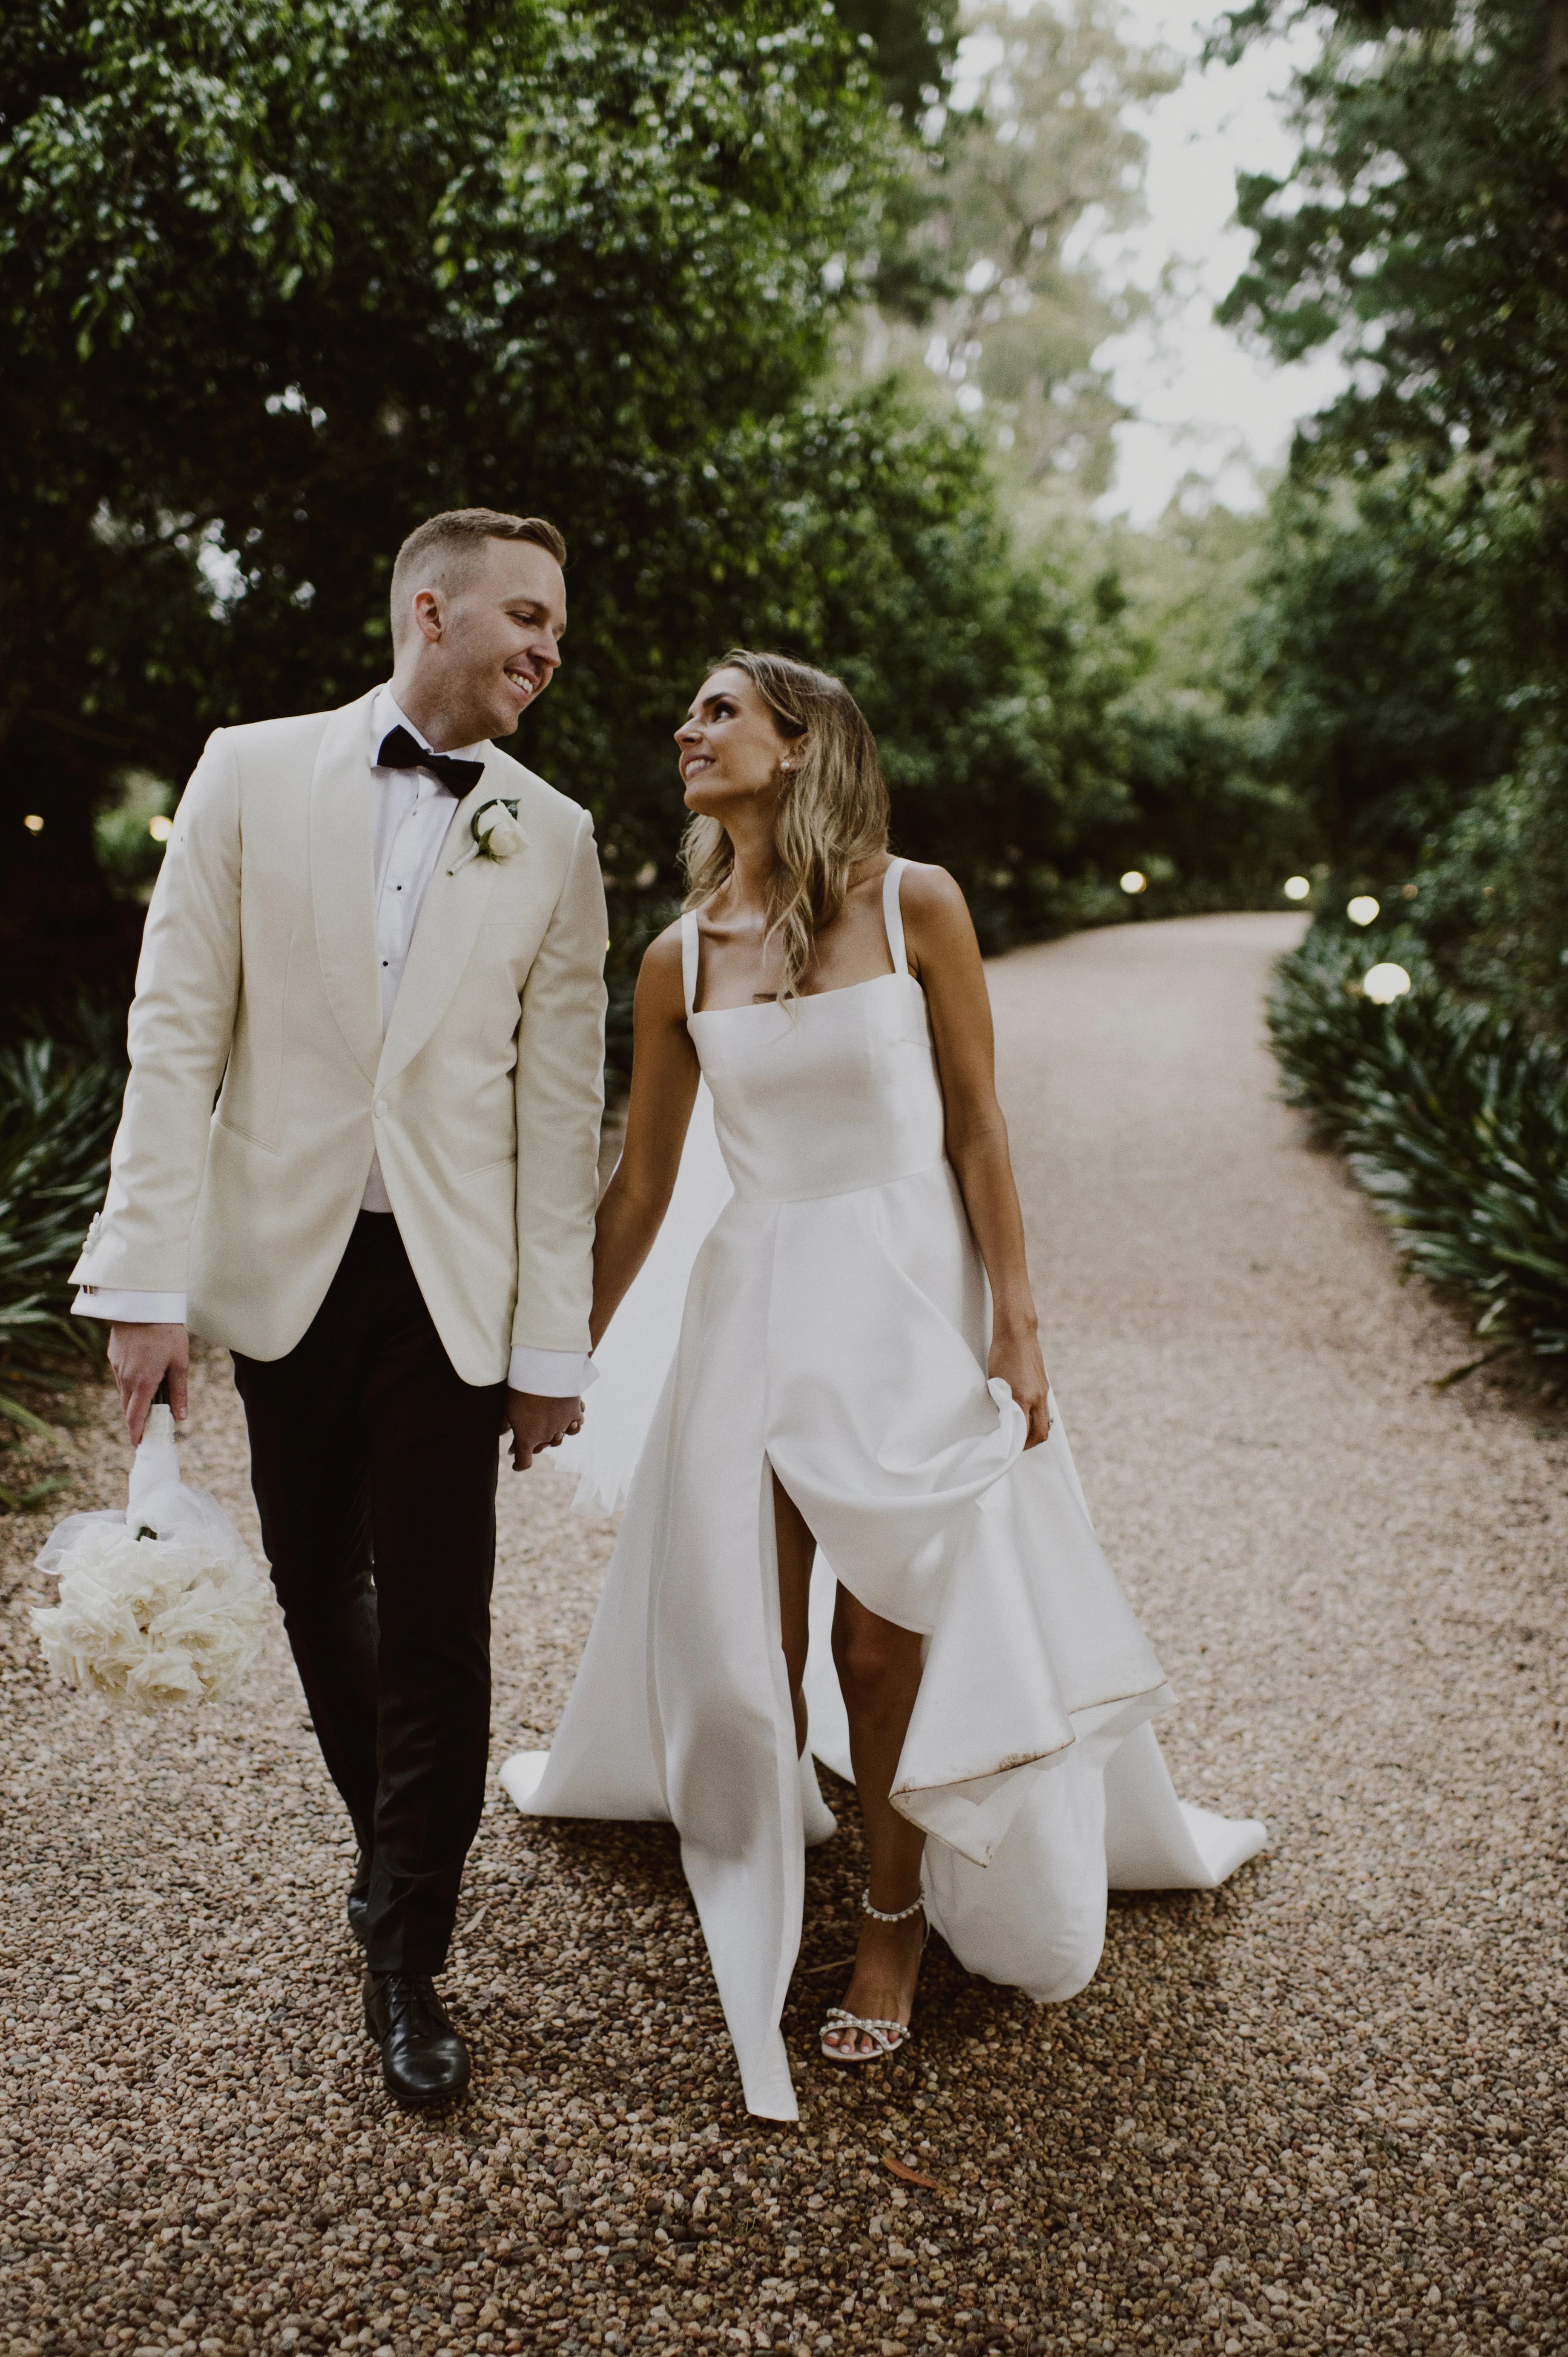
60,1104
1455,1121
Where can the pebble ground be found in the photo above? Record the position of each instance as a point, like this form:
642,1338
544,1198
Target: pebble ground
1321,2109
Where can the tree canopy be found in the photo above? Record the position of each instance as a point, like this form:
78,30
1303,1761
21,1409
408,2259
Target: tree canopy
1410,638
1422,224
279,280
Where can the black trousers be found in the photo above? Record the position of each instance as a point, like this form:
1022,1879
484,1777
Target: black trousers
374,1469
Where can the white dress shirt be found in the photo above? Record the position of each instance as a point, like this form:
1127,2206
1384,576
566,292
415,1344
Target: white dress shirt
413,811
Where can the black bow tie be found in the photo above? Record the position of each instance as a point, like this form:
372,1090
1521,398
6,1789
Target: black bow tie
399,751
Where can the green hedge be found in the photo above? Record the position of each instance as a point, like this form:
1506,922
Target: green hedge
1455,1121
59,1102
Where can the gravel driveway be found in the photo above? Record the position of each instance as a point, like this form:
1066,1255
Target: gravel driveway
1321,2109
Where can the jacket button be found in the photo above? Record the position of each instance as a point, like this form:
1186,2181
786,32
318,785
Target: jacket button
380,1110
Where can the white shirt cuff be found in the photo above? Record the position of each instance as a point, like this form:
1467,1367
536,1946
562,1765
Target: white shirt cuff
549,1374
130,1308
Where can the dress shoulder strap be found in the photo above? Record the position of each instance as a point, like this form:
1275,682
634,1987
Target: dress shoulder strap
892,916
689,952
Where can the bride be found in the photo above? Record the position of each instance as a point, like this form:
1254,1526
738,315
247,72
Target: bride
856,1392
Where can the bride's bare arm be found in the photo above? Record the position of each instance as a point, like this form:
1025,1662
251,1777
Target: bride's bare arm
939,935
663,1090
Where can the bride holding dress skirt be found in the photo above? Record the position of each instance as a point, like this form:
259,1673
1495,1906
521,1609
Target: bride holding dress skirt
853,1526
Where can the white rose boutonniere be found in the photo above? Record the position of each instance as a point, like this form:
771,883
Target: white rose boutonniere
495,831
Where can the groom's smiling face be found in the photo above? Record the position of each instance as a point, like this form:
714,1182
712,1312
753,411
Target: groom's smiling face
484,643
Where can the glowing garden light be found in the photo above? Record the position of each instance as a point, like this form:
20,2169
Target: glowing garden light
1295,888
1134,881
33,823
1363,910
1384,983
160,828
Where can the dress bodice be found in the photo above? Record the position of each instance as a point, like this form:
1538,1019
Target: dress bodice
826,1095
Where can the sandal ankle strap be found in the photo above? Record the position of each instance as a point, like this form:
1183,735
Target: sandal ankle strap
880,1916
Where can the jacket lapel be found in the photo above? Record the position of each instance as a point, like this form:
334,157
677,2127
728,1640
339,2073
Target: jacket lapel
443,937
343,884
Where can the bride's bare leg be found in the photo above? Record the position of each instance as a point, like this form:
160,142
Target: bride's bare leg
879,1671
796,1553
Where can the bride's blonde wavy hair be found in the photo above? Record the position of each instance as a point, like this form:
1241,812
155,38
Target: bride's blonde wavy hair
832,813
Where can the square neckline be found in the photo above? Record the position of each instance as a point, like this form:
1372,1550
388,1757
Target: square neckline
893,926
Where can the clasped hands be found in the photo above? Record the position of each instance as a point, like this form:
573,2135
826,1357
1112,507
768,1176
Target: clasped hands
536,1423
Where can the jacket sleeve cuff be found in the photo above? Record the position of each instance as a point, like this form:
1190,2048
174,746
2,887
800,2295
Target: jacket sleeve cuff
130,1308
549,1374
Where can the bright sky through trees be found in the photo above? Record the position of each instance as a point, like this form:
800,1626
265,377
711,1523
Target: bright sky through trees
1207,405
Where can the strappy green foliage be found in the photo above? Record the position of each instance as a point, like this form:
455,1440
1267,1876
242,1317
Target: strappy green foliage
1455,1121
58,1106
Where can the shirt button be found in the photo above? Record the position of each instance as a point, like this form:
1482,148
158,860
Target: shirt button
380,1111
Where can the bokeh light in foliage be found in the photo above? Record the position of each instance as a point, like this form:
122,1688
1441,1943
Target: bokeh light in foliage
1363,910
1295,888
1134,880
1384,983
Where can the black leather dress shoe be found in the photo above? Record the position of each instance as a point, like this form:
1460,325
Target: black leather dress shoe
358,1900
423,2060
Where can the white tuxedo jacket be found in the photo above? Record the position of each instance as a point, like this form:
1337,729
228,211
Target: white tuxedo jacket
259,985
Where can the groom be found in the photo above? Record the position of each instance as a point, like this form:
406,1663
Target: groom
378,941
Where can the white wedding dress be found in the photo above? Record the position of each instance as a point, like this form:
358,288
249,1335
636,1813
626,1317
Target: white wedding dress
835,1329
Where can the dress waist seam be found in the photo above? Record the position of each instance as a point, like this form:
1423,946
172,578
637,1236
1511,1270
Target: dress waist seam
837,1194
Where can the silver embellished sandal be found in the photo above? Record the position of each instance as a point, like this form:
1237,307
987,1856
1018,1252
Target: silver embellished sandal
887,2037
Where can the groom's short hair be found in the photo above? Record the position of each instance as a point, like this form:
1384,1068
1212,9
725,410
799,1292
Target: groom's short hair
440,552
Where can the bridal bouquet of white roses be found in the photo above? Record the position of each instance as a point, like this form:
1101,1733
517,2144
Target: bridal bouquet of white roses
160,1604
